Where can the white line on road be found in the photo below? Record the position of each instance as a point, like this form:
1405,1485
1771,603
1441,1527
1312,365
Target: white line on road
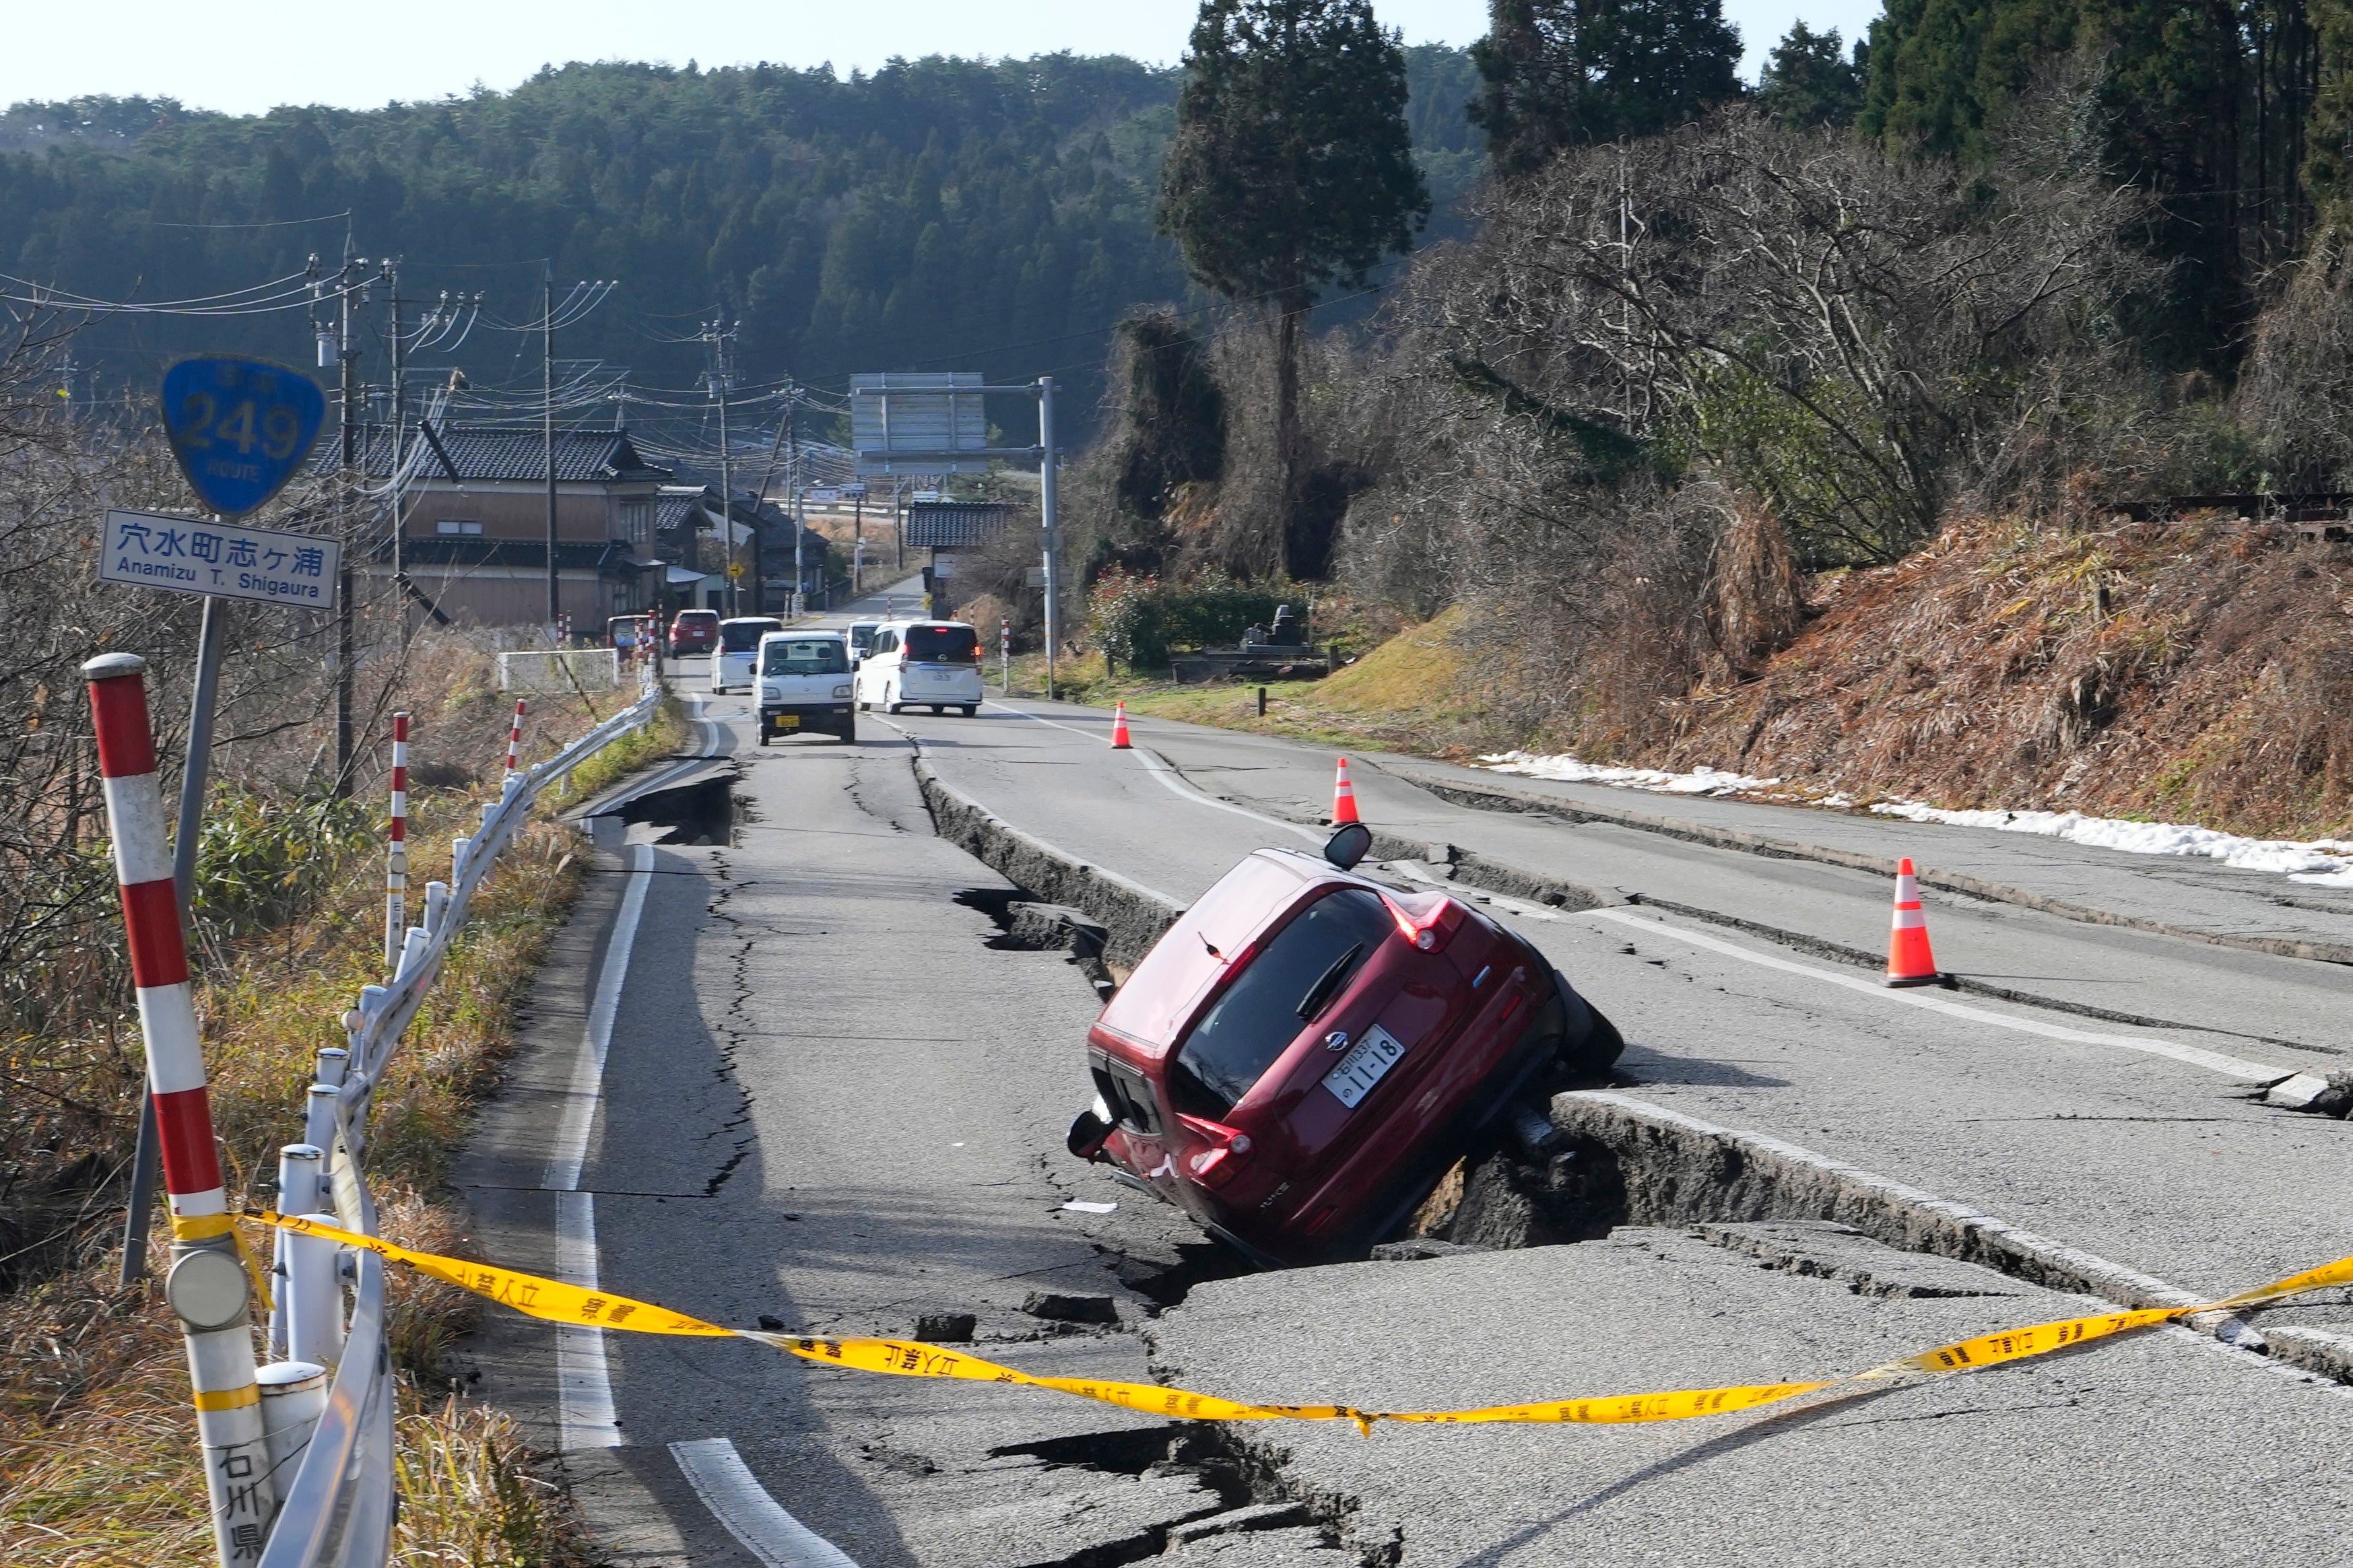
584,1384
1167,774
587,1087
2196,1056
757,1520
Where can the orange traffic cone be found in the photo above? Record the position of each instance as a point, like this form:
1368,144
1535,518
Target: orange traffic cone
1909,961
1119,729
1344,797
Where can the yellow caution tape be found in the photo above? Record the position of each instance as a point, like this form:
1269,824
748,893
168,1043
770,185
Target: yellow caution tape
562,1303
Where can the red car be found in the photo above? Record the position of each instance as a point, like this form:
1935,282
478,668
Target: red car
1300,1057
694,631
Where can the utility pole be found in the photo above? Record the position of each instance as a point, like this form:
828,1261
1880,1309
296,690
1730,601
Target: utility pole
793,486
727,490
1048,459
399,450
547,435
348,352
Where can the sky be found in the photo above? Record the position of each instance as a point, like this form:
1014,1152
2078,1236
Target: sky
245,58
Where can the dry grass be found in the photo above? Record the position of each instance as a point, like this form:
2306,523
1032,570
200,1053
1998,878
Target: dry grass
2194,671
97,1457
1415,692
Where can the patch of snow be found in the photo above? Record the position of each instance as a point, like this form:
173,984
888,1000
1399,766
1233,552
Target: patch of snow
1699,781
2299,861
2321,862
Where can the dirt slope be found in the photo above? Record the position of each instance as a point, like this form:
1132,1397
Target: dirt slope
2198,671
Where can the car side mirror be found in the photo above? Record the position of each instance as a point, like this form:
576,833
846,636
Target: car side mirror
1350,844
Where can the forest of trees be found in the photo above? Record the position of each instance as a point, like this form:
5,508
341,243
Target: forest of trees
939,213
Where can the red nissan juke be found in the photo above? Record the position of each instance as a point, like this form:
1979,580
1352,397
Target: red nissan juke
1299,1057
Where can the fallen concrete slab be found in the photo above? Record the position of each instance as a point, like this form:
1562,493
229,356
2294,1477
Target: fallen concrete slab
2158,1448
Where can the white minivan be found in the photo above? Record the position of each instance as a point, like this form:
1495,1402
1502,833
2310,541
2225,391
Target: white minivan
805,685
739,639
921,663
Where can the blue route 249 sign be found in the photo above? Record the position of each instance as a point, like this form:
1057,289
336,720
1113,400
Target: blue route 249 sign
240,428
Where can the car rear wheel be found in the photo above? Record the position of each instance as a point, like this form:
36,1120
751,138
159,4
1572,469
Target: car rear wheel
1590,1045
970,708
890,700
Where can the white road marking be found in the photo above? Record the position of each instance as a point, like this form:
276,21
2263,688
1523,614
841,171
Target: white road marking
587,1087
2196,1056
758,1521
1166,773
584,1384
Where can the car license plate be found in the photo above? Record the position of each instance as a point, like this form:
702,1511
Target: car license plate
1362,1067
789,721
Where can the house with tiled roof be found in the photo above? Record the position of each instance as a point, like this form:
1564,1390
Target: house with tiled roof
473,523
687,540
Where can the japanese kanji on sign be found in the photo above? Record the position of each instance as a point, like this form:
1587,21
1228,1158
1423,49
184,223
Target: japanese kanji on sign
230,561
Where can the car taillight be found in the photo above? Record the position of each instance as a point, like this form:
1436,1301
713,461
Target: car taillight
1214,1165
1427,928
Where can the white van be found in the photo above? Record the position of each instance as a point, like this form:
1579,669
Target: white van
805,685
921,663
739,639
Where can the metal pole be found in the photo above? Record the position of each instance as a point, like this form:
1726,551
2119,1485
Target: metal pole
726,494
399,444
1048,459
208,1289
547,431
345,652
793,490
857,544
193,775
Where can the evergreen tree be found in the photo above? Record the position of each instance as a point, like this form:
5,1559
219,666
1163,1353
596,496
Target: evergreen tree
1292,170
1558,73
1808,80
2208,106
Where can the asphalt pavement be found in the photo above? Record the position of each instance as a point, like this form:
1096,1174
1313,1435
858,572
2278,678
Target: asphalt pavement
800,1073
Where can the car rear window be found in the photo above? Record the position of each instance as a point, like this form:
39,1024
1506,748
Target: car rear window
742,637
861,638
943,645
804,656
1262,1010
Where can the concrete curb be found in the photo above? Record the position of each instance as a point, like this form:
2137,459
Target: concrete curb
1133,915
1486,797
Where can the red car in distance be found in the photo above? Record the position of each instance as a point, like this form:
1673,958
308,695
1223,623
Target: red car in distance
694,631
1300,1057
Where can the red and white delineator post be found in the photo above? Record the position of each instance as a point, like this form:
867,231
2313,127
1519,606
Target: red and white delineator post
207,1288
514,737
395,847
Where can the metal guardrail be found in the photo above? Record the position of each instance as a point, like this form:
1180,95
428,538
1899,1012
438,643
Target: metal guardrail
338,1509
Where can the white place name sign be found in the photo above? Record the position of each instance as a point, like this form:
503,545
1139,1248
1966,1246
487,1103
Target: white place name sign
193,555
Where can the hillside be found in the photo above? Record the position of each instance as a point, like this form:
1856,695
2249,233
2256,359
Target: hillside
2198,671
939,212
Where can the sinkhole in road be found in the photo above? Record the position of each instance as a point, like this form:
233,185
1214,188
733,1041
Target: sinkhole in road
702,810
1024,924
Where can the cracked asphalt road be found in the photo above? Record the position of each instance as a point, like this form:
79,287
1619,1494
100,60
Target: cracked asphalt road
832,1103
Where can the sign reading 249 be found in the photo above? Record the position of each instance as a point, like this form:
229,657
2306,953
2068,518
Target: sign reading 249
239,427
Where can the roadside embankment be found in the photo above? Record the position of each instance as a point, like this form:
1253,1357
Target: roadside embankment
98,1456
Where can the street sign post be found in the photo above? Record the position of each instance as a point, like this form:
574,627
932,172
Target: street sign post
240,428
220,560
